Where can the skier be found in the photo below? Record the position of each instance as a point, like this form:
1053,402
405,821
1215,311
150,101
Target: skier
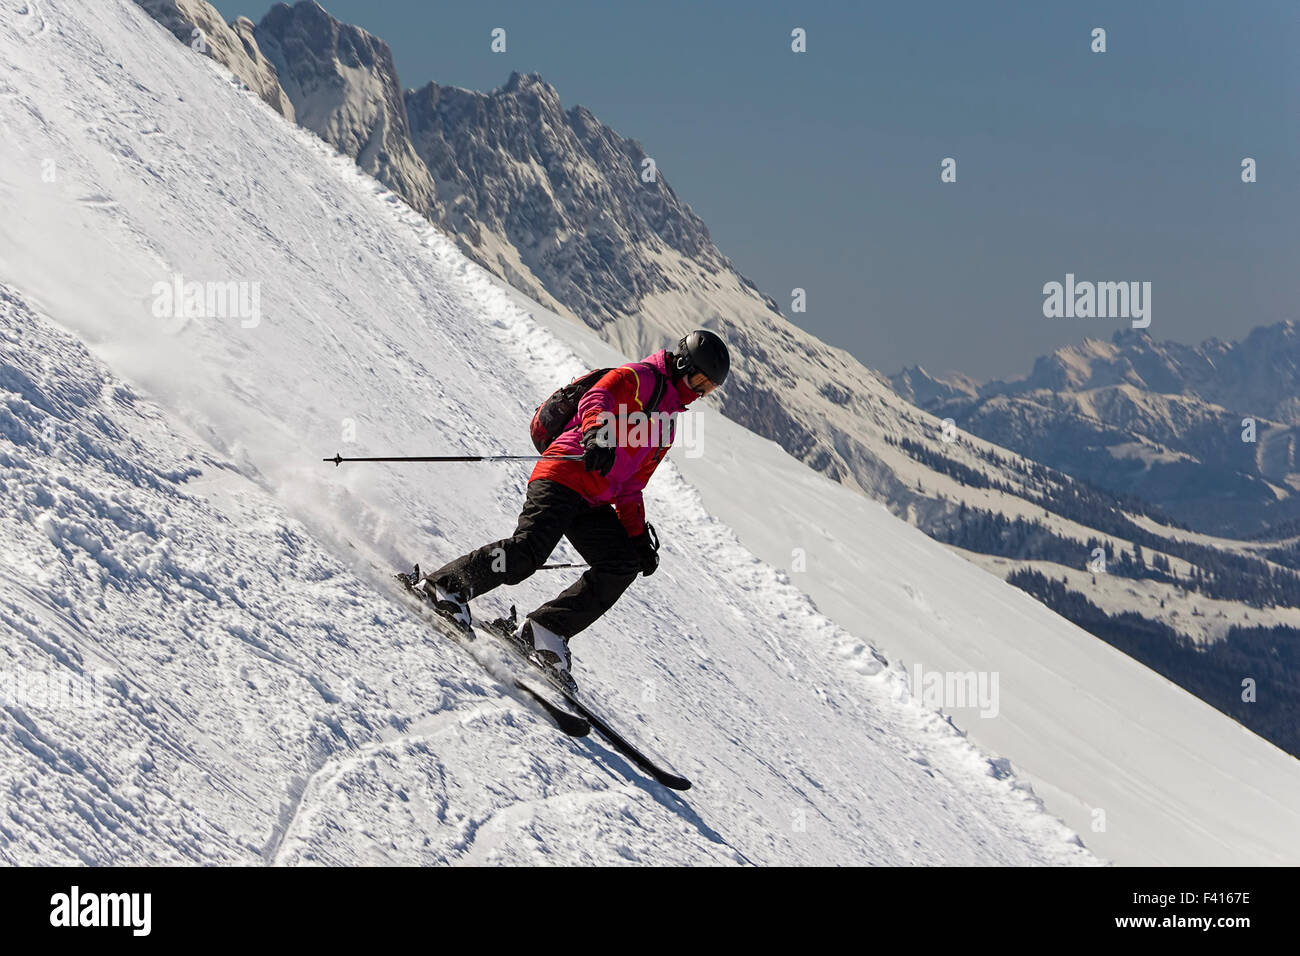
595,502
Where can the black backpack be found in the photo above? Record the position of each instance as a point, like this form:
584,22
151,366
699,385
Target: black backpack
553,415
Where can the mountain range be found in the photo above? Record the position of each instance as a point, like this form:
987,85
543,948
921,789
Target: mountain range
1206,432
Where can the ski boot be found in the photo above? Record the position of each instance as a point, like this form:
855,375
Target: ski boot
548,651
447,597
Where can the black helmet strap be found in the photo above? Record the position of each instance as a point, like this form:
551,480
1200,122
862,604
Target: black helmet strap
682,360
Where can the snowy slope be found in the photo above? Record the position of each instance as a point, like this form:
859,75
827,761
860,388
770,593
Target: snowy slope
248,689
553,201
1177,782
198,25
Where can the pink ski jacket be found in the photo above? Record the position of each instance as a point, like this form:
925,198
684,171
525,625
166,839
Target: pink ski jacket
622,392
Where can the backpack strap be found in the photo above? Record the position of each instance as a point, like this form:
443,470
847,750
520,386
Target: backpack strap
657,394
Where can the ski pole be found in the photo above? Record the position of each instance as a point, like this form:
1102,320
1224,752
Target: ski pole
338,459
553,567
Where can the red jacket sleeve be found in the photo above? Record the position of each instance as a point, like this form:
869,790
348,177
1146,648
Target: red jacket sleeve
631,512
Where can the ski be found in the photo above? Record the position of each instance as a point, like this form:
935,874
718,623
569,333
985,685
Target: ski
505,629
571,724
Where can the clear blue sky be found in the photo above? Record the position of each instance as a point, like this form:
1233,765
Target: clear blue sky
821,170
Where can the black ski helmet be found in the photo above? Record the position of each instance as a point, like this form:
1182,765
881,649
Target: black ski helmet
702,351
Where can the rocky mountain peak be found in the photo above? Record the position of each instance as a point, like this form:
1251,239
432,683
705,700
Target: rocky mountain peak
198,25
521,83
344,87
566,200
921,388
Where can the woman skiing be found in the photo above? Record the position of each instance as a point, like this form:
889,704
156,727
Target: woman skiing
622,428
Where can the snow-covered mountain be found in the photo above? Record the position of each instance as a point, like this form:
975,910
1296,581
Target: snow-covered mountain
343,86
560,191
1260,373
197,24
1159,420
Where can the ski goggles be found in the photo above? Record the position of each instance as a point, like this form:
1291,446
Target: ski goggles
699,383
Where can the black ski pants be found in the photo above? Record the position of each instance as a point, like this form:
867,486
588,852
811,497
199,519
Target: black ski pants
552,511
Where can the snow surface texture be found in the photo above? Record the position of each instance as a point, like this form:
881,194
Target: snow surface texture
1148,773
246,686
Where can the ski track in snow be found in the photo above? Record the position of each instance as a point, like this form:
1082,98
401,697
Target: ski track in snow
262,695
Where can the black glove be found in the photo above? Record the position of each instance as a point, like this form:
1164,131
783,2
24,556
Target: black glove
647,549
595,456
